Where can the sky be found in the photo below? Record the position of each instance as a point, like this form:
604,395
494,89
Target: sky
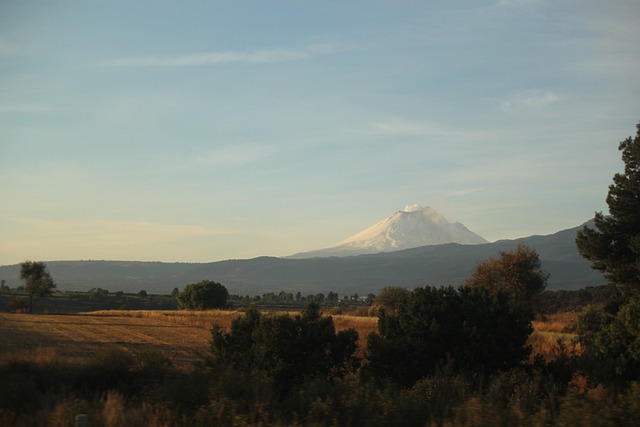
197,131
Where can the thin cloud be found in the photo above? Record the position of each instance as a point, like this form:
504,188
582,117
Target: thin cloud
265,56
461,193
8,48
233,154
531,99
23,109
121,232
399,126
106,239
516,2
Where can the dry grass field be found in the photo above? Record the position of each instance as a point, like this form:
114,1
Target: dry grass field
80,335
181,336
555,328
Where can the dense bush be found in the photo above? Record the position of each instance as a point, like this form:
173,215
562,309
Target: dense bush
288,350
203,295
611,343
472,330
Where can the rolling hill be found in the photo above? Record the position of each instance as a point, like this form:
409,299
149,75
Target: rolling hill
447,264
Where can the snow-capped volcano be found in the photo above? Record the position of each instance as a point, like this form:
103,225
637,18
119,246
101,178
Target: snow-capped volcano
408,228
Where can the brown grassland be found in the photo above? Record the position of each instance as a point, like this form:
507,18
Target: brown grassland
78,349
183,336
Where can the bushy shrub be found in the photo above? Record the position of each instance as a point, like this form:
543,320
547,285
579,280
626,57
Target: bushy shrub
611,343
288,350
203,295
471,329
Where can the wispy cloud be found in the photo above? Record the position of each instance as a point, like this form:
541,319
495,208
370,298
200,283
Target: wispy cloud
516,2
51,239
24,109
7,48
400,126
120,232
233,154
264,56
531,99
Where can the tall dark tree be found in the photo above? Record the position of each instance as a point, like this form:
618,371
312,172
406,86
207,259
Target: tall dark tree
37,280
611,336
613,247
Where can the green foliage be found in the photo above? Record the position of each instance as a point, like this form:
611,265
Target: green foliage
146,391
611,343
518,273
38,282
576,300
203,295
467,329
614,246
611,335
390,297
288,350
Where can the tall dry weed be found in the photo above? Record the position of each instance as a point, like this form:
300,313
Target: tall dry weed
363,325
566,323
113,410
65,411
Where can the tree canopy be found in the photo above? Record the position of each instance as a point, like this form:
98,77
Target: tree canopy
610,335
285,349
518,273
611,344
390,297
203,295
470,329
38,282
613,247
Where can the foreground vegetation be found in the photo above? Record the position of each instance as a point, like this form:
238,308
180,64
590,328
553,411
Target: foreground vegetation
135,373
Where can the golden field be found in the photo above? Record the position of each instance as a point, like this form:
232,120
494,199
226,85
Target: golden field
181,336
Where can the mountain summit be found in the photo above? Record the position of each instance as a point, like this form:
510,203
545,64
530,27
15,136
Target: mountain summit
408,228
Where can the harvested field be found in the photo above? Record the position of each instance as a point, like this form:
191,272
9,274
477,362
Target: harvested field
181,336
79,335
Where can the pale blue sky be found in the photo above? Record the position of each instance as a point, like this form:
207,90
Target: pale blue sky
209,130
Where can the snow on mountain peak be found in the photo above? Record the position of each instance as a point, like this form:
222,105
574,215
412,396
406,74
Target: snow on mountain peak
409,228
412,208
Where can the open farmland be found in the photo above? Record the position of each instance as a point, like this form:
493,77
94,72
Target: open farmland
80,335
181,336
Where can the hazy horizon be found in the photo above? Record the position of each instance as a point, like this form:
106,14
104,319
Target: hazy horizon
204,131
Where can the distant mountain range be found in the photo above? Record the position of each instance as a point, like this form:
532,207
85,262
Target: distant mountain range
411,227
446,264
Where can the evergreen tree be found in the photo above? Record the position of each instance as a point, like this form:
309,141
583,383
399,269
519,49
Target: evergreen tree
611,336
614,246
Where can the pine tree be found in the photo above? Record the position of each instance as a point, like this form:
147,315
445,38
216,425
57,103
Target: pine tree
614,246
